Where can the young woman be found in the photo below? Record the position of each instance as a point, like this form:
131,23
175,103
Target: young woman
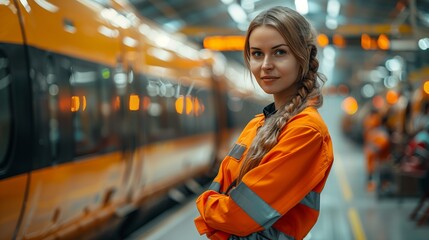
269,185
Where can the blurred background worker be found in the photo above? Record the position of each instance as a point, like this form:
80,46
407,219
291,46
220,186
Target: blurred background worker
371,121
376,144
416,162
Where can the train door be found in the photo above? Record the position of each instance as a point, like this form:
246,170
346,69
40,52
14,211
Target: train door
15,121
132,122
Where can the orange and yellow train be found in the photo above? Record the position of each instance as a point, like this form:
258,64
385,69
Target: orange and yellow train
101,111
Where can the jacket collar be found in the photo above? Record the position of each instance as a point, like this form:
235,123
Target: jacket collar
269,110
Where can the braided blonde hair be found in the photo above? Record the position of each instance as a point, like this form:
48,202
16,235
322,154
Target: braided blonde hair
300,37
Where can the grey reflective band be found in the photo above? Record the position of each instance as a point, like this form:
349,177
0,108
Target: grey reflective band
215,186
270,233
254,206
312,200
237,151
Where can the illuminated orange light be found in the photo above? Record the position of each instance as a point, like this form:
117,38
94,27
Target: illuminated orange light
339,41
426,87
224,43
378,102
183,103
83,103
179,104
365,41
75,103
392,97
134,102
350,105
322,40
383,42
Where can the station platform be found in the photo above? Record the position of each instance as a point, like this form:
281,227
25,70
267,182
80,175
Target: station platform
348,210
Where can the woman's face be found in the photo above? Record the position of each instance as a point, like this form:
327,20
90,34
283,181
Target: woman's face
273,64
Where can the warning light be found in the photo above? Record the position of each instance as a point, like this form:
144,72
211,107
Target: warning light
392,97
78,103
365,41
350,105
224,43
383,42
184,103
322,40
134,104
75,103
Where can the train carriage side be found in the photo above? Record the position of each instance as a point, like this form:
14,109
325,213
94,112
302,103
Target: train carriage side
79,160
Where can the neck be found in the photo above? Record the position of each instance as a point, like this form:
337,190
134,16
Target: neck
280,102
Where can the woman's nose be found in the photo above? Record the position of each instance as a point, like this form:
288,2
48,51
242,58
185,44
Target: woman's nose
267,64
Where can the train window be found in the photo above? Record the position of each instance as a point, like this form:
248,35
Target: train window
5,108
204,111
85,102
162,115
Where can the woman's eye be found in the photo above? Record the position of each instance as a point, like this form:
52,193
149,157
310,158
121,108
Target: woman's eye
256,54
280,52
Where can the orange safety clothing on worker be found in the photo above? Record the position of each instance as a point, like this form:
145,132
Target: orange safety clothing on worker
370,122
377,147
278,199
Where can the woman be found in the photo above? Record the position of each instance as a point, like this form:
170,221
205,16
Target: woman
269,185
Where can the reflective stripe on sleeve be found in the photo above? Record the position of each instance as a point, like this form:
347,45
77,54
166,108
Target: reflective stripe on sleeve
312,200
237,151
254,206
215,186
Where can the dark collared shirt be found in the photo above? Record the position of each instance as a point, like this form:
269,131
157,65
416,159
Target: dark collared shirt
269,110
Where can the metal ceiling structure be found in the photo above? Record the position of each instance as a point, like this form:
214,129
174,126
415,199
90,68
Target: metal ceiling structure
399,19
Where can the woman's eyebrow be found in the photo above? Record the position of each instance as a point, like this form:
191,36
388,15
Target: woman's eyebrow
277,46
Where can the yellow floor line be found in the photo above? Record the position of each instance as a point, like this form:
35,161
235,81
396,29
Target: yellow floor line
344,184
354,219
356,225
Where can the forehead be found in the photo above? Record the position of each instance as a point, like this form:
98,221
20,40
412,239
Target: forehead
265,35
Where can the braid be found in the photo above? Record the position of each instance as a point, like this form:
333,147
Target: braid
267,135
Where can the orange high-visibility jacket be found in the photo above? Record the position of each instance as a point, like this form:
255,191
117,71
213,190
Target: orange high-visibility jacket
279,199
378,142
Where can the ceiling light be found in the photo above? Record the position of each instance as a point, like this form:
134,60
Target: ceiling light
424,43
333,8
237,13
301,6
